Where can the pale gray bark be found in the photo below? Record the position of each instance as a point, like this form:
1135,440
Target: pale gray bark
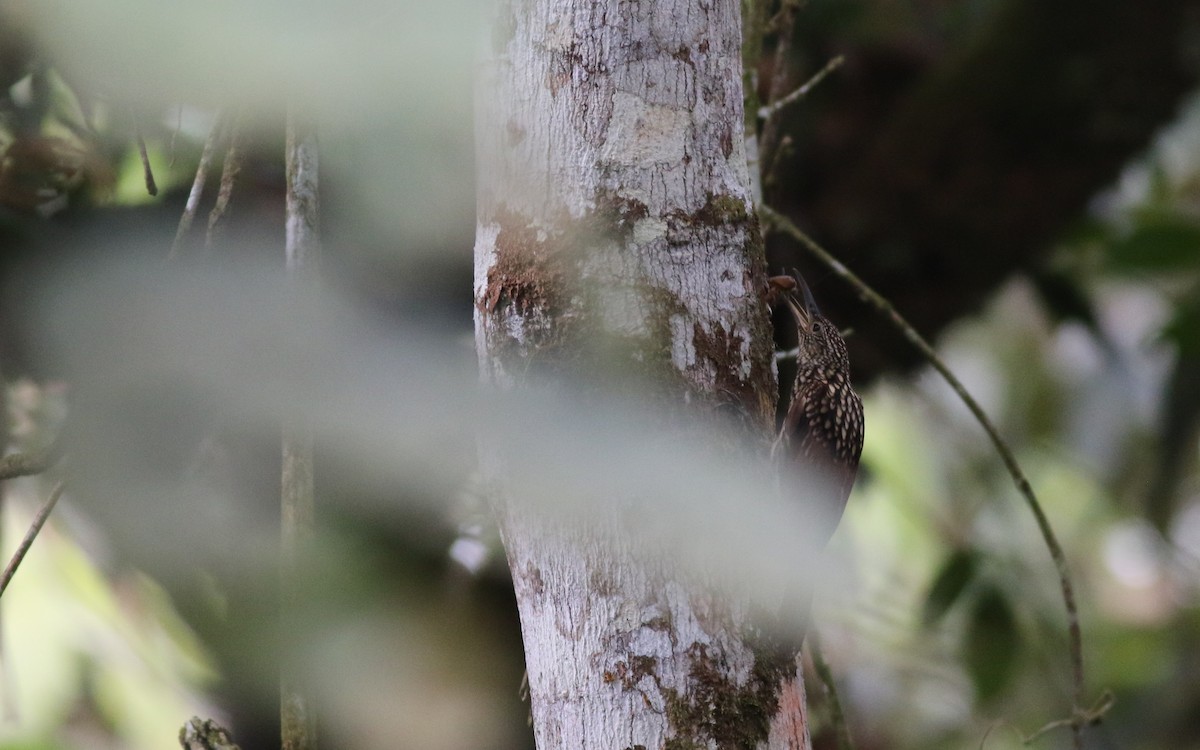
615,235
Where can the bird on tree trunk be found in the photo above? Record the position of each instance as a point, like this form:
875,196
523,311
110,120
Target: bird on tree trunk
822,432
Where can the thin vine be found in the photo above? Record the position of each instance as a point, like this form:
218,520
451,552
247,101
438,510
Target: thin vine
1080,716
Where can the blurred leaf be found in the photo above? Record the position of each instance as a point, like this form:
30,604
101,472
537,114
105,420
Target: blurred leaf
1087,230
991,644
1161,243
1066,299
1134,658
956,573
357,59
1179,419
1179,423
1183,330
1161,193
1179,413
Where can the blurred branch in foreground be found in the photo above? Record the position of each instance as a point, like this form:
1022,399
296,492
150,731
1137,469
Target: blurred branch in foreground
28,464
299,727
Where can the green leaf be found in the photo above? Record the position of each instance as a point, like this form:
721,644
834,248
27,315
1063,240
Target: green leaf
952,579
991,643
1085,231
1183,329
1163,244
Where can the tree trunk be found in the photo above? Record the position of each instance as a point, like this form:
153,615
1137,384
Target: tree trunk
616,237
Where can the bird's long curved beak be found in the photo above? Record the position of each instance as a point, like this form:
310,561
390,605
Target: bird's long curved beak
799,312
804,314
810,304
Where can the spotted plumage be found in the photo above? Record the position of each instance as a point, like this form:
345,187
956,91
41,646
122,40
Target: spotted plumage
823,428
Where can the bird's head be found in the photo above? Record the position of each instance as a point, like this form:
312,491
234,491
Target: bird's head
821,345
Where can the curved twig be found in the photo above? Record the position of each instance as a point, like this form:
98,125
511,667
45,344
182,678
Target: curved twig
768,111
1079,715
39,521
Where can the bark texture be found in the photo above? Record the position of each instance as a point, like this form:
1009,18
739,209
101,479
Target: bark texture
614,213
616,239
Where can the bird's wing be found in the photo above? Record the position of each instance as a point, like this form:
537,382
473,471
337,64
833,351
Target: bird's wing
824,433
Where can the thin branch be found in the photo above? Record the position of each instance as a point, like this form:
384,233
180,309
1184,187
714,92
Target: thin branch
302,246
754,25
870,296
787,356
230,168
303,214
783,24
781,150
151,187
39,521
28,464
790,354
999,724
1084,717
193,201
754,31
297,719
772,109
825,674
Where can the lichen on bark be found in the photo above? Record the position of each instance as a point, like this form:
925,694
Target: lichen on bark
717,710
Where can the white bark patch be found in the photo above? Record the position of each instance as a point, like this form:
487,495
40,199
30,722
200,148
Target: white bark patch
641,133
622,310
647,230
683,347
485,257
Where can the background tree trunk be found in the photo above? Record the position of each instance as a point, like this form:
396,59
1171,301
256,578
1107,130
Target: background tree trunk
616,237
